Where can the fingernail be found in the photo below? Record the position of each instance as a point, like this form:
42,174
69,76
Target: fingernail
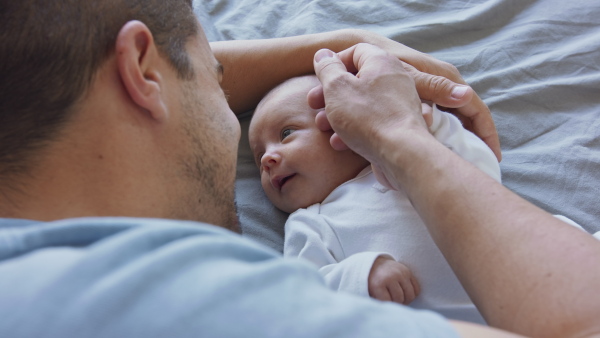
323,54
459,92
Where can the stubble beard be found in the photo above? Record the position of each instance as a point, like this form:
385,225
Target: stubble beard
211,188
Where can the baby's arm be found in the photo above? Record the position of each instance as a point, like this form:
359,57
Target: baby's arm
447,129
390,280
309,236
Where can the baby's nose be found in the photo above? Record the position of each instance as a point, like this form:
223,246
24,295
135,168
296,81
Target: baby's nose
269,160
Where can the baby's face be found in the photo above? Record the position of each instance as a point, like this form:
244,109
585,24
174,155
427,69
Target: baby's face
298,167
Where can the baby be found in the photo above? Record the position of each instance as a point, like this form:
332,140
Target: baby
353,228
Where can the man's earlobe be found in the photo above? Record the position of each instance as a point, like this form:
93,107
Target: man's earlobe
138,62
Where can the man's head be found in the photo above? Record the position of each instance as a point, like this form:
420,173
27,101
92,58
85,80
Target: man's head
50,52
297,164
127,92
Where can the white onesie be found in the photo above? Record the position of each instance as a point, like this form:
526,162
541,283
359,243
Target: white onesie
361,220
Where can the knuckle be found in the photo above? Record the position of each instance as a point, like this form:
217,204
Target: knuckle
324,65
373,50
363,45
411,69
450,68
336,81
428,64
438,84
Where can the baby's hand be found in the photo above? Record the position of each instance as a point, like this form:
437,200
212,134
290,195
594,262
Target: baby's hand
392,281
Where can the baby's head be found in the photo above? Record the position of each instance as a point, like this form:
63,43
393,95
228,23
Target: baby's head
298,166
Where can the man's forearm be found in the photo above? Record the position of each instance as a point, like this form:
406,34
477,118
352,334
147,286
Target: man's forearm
519,264
253,67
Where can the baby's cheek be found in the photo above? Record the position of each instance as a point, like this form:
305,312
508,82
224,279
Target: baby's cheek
325,190
265,182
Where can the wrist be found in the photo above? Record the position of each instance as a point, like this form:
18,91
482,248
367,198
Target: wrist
407,153
340,40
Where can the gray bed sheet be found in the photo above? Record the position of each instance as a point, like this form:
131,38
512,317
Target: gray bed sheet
535,63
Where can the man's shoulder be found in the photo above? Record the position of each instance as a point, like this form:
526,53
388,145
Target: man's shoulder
18,237
73,274
161,278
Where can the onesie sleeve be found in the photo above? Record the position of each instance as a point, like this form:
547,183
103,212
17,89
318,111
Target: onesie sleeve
447,129
309,236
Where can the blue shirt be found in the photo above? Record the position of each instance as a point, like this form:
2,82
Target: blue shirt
131,277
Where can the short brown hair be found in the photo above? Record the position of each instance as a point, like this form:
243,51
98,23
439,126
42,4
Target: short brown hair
50,51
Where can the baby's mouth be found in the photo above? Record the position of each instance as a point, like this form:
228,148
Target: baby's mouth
279,183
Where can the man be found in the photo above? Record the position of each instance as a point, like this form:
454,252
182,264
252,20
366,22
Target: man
124,118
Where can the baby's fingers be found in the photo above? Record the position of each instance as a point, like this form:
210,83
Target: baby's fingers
380,293
416,285
410,293
397,293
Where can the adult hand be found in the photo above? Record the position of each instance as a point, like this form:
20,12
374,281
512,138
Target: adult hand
379,100
441,83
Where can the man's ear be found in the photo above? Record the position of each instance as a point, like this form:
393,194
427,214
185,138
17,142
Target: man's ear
138,62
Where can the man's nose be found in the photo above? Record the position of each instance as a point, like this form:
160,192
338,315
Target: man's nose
270,160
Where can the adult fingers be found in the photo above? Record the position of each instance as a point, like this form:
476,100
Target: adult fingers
322,122
337,143
484,127
476,116
361,58
440,89
329,68
323,125
316,98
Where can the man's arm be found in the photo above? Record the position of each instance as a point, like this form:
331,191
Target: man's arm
253,67
526,271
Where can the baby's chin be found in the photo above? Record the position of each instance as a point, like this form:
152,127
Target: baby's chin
299,197
286,206
291,206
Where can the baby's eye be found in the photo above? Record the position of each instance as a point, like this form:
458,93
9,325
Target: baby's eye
286,132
